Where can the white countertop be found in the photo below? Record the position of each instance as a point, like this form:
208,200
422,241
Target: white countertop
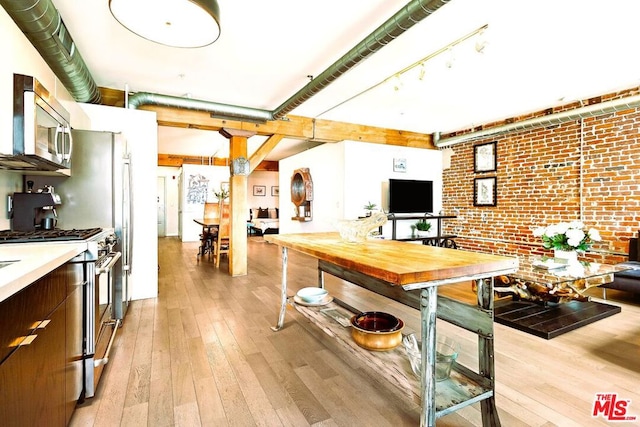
35,260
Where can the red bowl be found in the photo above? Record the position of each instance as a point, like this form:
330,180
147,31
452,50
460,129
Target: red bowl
376,321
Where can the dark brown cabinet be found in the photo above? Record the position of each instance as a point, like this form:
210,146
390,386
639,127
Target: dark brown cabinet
41,367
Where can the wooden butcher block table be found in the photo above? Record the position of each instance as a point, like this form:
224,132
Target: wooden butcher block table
398,270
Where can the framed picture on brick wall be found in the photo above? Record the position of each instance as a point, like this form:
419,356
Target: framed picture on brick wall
485,158
485,191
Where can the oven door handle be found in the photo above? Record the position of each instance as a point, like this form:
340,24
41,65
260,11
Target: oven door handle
115,257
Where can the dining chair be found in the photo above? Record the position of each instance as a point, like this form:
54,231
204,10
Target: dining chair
211,210
221,240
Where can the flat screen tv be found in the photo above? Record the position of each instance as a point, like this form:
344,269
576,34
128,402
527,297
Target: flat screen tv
410,196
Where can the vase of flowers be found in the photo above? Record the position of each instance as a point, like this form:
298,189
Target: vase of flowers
221,195
567,239
568,256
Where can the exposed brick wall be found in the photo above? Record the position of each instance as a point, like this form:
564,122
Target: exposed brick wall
541,180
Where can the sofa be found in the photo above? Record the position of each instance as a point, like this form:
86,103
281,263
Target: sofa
264,221
628,280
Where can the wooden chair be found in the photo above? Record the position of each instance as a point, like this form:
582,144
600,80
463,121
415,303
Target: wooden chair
221,240
211,210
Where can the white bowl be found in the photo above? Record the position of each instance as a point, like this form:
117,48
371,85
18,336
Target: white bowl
312,294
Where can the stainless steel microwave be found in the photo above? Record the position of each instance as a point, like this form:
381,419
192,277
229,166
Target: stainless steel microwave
41,129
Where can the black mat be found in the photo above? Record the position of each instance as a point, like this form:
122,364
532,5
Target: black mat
549,321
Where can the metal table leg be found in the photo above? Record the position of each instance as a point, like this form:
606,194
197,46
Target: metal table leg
283,295
428,305
486,356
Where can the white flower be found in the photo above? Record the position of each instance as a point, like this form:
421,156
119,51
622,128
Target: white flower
594,235
538,232
567,236
560,228
574,237
577,225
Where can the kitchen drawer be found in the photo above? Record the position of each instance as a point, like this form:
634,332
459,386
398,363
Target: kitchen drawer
21,313
33,381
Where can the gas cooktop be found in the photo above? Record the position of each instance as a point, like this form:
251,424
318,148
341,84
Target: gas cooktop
37,236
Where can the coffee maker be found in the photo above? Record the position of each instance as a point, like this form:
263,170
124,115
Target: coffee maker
34,211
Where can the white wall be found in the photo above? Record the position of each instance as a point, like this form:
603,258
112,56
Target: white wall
349,174
268,180
369,168
194,209
326,166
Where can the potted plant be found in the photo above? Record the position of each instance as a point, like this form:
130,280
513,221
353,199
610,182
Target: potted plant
221,195
370,207
423,227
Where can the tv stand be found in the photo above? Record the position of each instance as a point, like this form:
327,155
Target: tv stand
442,240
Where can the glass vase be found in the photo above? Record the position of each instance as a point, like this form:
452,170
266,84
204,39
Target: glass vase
570,257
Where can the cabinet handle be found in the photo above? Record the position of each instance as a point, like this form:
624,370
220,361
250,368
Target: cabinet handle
28,339
43,324
105,359
20,341
115,256
40,324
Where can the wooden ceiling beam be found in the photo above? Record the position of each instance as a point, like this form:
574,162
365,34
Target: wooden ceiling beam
257,158
177,160
295,127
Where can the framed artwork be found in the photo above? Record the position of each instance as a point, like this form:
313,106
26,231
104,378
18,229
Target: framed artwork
259,190
275,191
485,158
399,165
485,191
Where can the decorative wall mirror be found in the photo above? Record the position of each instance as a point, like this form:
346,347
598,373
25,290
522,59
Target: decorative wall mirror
302,194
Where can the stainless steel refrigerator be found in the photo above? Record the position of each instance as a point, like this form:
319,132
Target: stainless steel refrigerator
98,194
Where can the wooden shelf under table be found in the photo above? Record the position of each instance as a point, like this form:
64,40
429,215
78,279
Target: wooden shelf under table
464,387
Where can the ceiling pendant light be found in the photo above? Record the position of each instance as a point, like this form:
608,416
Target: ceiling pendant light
176,23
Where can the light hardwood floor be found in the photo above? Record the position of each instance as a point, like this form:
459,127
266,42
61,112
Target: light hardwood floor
203,353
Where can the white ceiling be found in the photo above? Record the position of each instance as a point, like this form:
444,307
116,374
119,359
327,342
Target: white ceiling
537,54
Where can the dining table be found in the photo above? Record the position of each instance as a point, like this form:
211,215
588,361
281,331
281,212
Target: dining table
549,296
208,226
395,269
207,223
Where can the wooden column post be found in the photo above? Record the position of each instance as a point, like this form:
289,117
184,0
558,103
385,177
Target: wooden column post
239,207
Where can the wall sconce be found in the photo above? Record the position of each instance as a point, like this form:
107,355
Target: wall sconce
192,23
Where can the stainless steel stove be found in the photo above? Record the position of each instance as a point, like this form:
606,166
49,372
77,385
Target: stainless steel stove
38,236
